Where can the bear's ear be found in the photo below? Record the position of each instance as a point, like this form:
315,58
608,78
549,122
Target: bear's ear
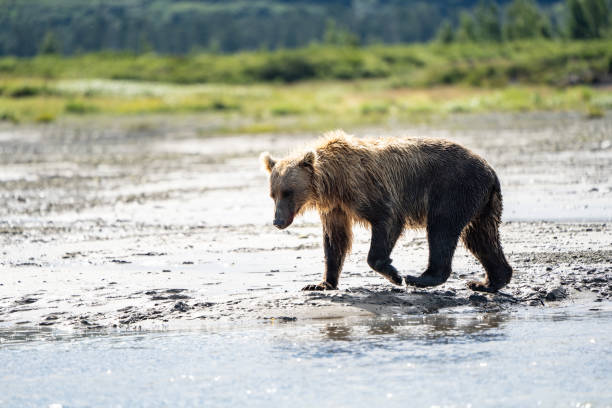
308,160
267,161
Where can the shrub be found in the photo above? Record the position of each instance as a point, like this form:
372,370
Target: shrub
594,112
379,108
8,117
25,91
79,107
285,110
45,117
220,105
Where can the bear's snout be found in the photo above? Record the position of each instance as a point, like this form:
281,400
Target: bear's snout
282,223
283,215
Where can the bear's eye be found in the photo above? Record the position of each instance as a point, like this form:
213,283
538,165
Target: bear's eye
286,193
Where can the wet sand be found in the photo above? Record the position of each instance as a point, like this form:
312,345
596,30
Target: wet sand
163,224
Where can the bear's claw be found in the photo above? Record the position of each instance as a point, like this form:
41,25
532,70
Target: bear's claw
396,279
319,286
422,281
482,287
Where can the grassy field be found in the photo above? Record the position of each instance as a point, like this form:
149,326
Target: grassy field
554,63
271,107
316,87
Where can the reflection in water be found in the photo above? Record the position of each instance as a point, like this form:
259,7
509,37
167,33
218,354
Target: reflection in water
442,325
427,327
379,328
22,334
28,334
337,332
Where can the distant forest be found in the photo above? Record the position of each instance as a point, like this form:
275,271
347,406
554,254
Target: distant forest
30,27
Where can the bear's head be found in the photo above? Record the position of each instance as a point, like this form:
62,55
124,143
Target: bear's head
291,185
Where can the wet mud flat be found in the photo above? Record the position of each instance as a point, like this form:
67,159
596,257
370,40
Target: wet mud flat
113,224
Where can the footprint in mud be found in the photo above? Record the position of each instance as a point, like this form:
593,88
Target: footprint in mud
120,261
181,307
174,294
170,297
283,319
137,317
50,320
70,255
26,301
204,304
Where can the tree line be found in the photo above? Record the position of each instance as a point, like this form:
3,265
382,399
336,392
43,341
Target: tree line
523,19
31,27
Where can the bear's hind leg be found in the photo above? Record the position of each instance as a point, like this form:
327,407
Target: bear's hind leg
442,239
384,237
481,237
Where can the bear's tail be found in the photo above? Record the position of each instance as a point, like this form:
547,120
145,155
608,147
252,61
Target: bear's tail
494,206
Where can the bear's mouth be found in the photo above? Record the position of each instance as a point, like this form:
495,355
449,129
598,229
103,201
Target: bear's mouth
282,224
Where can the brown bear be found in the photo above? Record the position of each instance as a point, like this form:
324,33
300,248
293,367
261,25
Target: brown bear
390,184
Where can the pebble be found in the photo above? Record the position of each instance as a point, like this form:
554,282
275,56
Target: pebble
556,294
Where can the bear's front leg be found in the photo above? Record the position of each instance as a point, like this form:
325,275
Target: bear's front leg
384,237
337,237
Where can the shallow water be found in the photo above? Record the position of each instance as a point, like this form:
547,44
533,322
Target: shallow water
542,357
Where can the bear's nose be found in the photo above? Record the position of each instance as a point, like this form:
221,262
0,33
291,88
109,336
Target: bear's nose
278,223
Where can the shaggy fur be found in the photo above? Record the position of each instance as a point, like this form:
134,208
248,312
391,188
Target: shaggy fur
390,184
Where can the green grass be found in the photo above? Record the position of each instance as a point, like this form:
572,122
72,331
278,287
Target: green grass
316,87
79,107
305,105
530,62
